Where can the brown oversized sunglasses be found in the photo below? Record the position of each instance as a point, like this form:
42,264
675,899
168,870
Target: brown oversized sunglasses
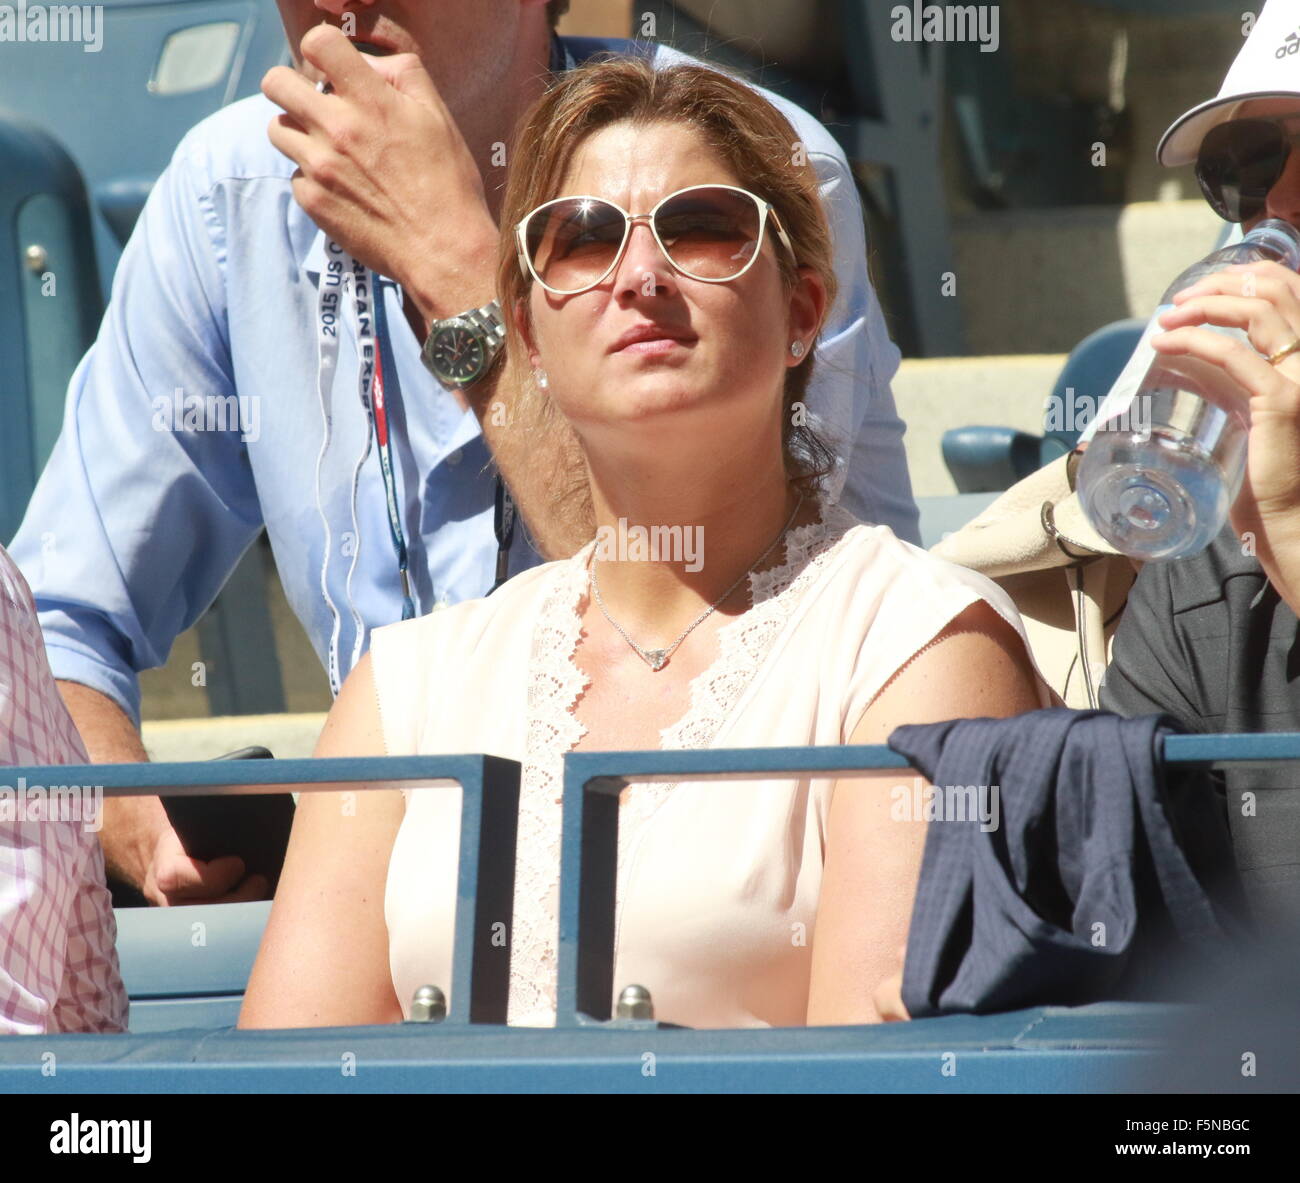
713,233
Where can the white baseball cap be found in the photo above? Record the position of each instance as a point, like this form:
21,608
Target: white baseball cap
1268,67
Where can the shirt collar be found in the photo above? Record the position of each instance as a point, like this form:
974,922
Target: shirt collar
562,58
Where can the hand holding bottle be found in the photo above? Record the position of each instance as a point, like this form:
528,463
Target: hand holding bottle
1167,453
1261,301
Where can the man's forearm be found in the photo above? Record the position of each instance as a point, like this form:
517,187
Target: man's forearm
131,824
535,469
106,729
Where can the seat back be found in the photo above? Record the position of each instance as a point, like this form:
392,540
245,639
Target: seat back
1167,7
990,459
49,302
984,459
148,70
1086,378
187,967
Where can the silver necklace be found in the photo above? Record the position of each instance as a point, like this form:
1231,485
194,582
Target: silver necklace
656,659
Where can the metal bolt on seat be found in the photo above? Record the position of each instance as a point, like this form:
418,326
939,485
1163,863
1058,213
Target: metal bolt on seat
635,1003
429,1005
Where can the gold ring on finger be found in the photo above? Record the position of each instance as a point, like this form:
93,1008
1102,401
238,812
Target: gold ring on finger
1284,353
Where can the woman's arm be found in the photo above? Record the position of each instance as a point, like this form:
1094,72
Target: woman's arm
324,955
976,667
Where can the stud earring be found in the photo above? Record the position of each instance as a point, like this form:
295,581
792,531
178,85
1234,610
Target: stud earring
797,349
542,380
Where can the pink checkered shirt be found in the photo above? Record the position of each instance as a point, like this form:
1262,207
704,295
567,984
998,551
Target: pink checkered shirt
58,966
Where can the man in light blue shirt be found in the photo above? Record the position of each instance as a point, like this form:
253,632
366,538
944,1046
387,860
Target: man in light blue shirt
203,412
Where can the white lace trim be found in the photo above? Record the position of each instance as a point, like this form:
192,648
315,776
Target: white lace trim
555,683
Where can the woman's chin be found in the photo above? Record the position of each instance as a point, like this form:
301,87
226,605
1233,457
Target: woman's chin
662,401
659,396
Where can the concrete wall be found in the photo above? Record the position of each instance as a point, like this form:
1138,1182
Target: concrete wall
935,395
1038,281
288,736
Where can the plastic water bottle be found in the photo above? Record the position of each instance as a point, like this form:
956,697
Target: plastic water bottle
1166,452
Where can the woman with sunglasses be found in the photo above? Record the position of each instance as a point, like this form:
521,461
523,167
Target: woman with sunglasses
1212,639
669,272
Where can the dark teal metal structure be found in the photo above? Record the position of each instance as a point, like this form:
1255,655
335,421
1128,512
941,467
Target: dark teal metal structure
183,1007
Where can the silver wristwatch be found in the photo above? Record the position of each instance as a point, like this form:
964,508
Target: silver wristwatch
461,349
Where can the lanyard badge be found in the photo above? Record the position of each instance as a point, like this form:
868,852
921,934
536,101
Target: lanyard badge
348,285
349,290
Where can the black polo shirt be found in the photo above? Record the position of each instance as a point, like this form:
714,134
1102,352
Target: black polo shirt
1209,641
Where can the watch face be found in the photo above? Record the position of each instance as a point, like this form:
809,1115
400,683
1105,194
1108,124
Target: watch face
457,354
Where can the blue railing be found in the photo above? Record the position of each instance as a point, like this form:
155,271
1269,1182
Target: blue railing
1098,1047
490,811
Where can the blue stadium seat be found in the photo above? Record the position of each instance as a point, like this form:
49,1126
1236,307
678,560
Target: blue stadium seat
157,68
162,66
49,302
990,459
187,967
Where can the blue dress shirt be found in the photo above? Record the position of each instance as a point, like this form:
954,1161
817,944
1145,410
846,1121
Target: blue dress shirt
138,519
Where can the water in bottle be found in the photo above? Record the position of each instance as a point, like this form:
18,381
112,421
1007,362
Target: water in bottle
1167,451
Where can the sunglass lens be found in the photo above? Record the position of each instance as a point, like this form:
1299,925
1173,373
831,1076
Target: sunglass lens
710,233
1239,162
573,242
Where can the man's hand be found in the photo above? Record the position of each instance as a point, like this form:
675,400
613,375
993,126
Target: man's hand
142,849
140,846
1262,300
174,878
384,170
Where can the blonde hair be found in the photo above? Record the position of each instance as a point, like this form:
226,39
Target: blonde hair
763,151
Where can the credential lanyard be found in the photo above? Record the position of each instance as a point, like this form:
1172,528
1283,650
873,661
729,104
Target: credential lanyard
347,288
503,523
379,419
329,318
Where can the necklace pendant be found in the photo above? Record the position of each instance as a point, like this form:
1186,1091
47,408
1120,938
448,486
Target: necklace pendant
656,659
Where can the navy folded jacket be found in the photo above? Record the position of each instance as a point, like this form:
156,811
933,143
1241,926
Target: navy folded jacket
1101,872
